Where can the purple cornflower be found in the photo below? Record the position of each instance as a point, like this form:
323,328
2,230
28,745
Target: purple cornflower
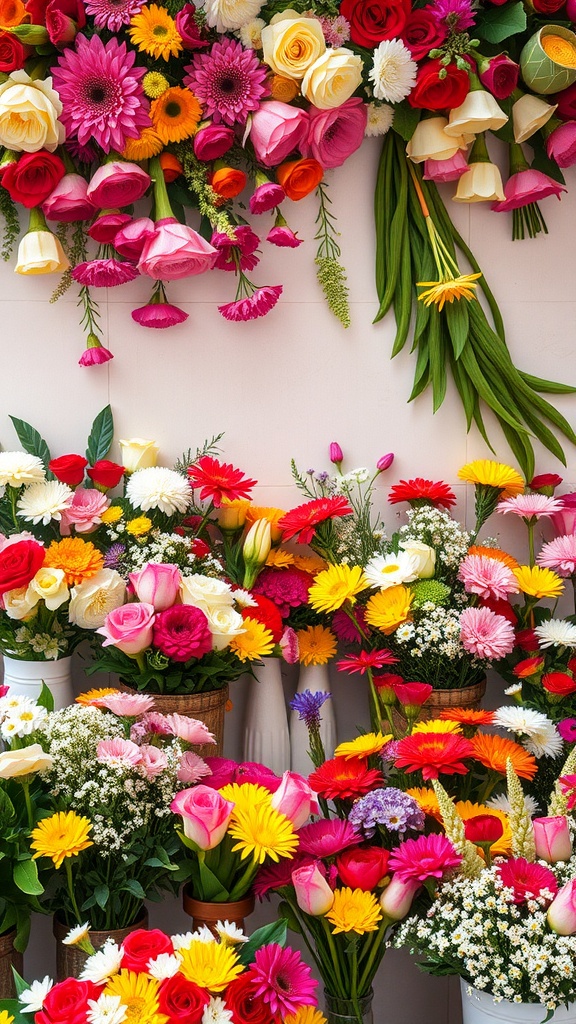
308,705
391,808
113,556
457,15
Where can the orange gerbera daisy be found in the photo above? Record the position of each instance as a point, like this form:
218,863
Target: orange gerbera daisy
467,716
496,553
503,846
309,563
494,751
175,114
280,558
89,696
79,559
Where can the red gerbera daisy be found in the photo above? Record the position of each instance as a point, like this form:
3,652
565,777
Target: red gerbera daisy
419,492
303,519
434,754
345,778
219,480
527,880
365,660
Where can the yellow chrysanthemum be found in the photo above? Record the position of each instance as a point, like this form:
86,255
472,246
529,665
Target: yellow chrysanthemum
271,514
336,585
280,558
388,609
147,145
436,725
246,795
154,84
427,800
354,910
316,645
112,514
254,643
262,832
5,1017
154,32
78,558
138,992
503,846
363,746
210,964
306,1015
139,526
175,114
536,581
310,563
440,292
89,696
64,834
493,474
496,553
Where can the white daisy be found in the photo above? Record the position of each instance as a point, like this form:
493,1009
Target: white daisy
18,468
23,721
393,72
77,934
556,633
384,571
543,739
40,503
166,965
546,743
244,598
231,14
230,934
158,487
216,1012
106,1010
104,964
183,940
380,119
203,934
33,998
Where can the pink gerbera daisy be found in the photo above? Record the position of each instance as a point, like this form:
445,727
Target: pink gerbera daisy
106,273
485,634
112,14
259,303
426,857
120,752
530,506
527,881
560,554
229,81
282,980
327,837
487,577
365,660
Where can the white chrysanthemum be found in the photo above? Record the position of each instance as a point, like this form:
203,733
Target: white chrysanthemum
22,721
18,468
384,571
543,738
230,934
556,633
33,998
224,15
216,1012
203,934
106,1010
380,119
104,964
77,934
183,940
515,688
501,803
166,965
158,487
251,34
40,503
393,72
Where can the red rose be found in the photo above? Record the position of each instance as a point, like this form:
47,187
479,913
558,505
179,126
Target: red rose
19,563
67,1002
371,21
483,828
142,946
412,694
33,177
182,1000
500,606
559,683
422,33
500,77
547,6
246,1007
566,101
527,640
362,868
13,53
69,469
106,474
545,480
528,667
267,613
434,92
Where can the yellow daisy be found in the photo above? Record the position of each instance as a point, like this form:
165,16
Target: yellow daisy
139,526
89,696
210,964
363,746
147,145
245,795
427,800
538,582
262,832
316,645
309,563
305,1015
254,643
489,473
64,834
154,32
280,558
440,292
503,846
437,725
175,114
138,992
112,514
154,84
354,910
336,585
388,609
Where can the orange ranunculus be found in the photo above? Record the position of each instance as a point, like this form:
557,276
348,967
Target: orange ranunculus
12,12
283,89
171,166
299,177
228,182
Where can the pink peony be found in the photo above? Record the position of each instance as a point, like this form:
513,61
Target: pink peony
84,514
213,141
276,130
106,226
159,315
118,752
192,768
426,857
106,273
130,238
560,554
191,730
182,632
266,196
126,705
68,201
175,251
529,186
129,628
446,170
118,183
153,761
335,134
487,577
252,306
527,880
485,634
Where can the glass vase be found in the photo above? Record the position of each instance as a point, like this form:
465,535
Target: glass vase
345,1011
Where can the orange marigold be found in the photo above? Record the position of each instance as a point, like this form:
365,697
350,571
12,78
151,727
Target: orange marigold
494,751
79,559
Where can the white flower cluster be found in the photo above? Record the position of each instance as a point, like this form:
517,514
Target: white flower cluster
19,717
437,631
165,548
437,528
50,645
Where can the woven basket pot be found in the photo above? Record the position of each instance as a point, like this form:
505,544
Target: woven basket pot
209,708
70,960
439,700
9,958
209,914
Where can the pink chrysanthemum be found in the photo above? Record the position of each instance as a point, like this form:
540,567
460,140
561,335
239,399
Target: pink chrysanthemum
327,837
159,315
287,588
107,273
527,880
487,577
236,252
253,306
365,660
530,506
560,555
457,15
112,14
336,31
282,980
485,634
101,92
426,857
345,628
120,752
192,768
229,81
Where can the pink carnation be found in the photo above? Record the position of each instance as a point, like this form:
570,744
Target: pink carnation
238,252
84,514
487,577
287,588
486,634
192,768
118,752
182,632
560,554
253,306
153,761
426,857
159,315
107,273
189,729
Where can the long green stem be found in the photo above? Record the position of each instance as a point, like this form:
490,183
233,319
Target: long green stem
28,802
75,907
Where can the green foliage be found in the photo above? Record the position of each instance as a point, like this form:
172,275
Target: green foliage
101,434
496,24
9,212
32,442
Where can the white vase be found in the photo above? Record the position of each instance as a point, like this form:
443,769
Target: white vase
266,736
480,1008
315,678
25,678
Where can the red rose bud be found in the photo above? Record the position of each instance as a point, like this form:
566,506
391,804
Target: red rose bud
200,548
499,75
386,685
61,29
527,640
30,35
483,828
559,684
336,454
545,483
363,868
528,667
413,694
69,469
106,474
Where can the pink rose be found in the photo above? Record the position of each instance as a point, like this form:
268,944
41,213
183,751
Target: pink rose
552,838
213,141
153,761
337,133
565,520
182,632
175,251
157,584
188,30
118,183
129,628
295,799
276,130
191,730
561,144
69,200
205,815
397,897
84,514
130,239
313,894
446,170
562,910
106,226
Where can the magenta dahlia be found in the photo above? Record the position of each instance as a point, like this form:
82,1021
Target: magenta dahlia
282,980
229,81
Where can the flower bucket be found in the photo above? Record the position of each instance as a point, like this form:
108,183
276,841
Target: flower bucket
343,1011
209,708
439,700
203,912
543,73
9,959
70,959
480,1008
25,679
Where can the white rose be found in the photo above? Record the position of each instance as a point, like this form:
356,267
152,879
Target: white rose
205,592
18,468
50,585
226,15
291,44
138,453
332,78
225,623
14,763
29,111
18,604
424,555
94,598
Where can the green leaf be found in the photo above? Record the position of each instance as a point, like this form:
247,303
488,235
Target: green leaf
210,886
15,1010
7,810
275,932
498,23
101,435
102,895
405,119
19,983
134,888
46,698
26,877
32,442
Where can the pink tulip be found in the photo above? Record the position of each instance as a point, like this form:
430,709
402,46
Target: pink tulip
205,815
561,144
157,584
446,170
384,462
276,130
130,239
295,799
336,453
313,894
129,628
69,201
118,183
396,900
175,251
552,838
562,910
528,186
189,729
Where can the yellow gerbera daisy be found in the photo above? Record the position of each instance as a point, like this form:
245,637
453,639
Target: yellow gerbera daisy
280,558
354,910
262,832
112,514
139,526
5,1017
316,645
154,32
388,609
436,725
363,746
306,1015
336,585
175,114
271,514
245,795
147,145
440,292
536,581
154,84
427,800
64,834
78,558
490,473
89,696
254,643
138,992
210,964
503,846
309,563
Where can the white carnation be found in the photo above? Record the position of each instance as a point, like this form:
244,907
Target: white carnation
380,119
224,15
18,468
158,487
40,503
393,72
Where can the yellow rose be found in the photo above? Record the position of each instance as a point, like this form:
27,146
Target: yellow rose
40,252
14,763
138,453
332,79
50,585
291,44
29,111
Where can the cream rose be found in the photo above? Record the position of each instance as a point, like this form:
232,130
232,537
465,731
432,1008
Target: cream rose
14,763
205,592
50,585
138,453
94,598
40,252
424,555
224,623
332,79
20,603
291,44
430,141
29,111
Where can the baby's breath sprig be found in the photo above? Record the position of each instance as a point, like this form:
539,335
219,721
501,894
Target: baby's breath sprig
75,247
11,224
329,271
